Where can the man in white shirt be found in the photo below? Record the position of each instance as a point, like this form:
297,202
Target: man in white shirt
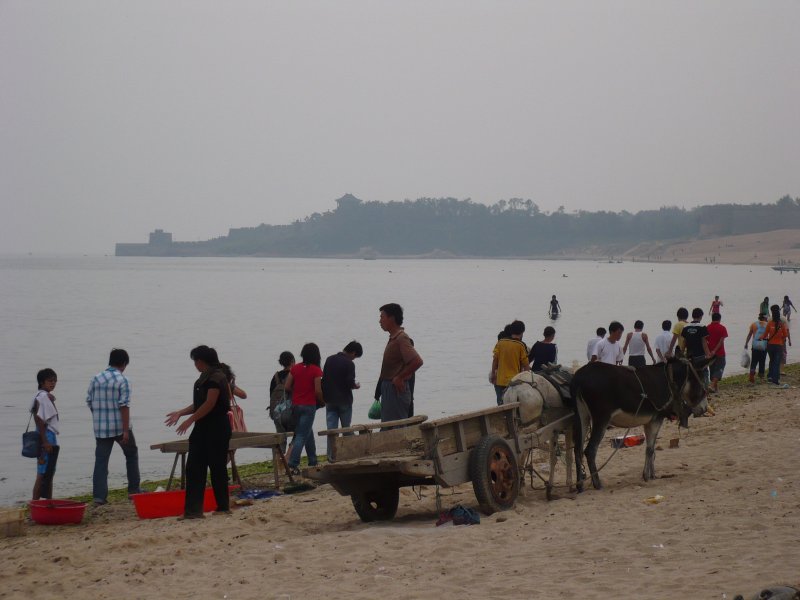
601,333
663,341
608,350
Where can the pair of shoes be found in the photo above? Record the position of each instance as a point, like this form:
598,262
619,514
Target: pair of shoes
191,516
782,386
99,502
222,512
294,471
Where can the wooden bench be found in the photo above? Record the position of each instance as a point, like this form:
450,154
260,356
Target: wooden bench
239,439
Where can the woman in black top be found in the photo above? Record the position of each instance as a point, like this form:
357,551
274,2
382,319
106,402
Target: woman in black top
210,437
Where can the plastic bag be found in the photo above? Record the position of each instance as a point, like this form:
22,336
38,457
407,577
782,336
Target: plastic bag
375,410
745,360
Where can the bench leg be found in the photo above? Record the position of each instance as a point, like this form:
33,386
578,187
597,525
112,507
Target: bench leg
283,463
234,470
172,472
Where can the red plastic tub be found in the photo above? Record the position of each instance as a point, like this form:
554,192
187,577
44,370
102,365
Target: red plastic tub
56,512
629,441
155,505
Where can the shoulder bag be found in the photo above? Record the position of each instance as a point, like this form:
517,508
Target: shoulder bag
31,441
235,414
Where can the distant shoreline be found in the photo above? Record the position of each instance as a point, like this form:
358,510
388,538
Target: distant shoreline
753,249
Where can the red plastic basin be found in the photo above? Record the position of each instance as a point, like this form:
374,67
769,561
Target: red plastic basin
155,505
56,512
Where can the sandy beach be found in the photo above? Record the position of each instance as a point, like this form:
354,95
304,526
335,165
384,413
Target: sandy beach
729,523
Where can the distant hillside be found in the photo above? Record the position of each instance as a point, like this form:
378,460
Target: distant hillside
450,227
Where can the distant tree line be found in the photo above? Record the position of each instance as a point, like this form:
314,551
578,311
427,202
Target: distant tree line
514,227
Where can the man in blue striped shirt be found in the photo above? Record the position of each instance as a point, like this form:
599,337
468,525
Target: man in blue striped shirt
108,398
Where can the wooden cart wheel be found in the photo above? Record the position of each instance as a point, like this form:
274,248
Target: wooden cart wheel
494,473
377,505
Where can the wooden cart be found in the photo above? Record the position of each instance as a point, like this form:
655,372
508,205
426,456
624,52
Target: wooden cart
370,463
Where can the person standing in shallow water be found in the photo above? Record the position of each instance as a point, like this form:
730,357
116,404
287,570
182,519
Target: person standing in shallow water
716,304
211,434
763,309
555,307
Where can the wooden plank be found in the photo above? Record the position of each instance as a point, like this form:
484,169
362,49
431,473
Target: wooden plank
238,440
404,439
444,438
453,469
342,430
466,416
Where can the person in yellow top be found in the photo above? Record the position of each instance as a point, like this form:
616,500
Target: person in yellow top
683,315
510,356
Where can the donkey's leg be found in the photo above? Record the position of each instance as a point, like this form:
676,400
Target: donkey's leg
578,435
651,434
599,426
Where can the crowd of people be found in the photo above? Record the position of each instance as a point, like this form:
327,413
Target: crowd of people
307,385
691,339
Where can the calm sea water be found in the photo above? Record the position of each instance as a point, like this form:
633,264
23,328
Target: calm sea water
68,312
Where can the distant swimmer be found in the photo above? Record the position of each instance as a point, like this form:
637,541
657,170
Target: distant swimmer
555,307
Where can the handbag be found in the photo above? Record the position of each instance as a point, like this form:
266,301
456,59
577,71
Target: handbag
31,441
235,414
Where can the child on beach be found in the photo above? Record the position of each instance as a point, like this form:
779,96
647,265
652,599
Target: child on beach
46,416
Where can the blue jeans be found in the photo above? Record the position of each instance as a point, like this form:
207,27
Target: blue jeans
775,352
303,435
499,390
336,414
102,453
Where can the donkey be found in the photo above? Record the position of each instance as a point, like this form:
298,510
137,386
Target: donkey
628,397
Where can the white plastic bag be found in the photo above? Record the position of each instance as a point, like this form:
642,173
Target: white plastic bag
745,360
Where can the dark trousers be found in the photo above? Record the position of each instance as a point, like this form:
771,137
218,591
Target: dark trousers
758,360
102,453
775,352
206,452
637,360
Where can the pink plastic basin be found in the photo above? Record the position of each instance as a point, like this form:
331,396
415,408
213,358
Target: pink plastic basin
155,505
56,512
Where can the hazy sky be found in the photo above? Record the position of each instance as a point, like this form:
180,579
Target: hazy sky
196,116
